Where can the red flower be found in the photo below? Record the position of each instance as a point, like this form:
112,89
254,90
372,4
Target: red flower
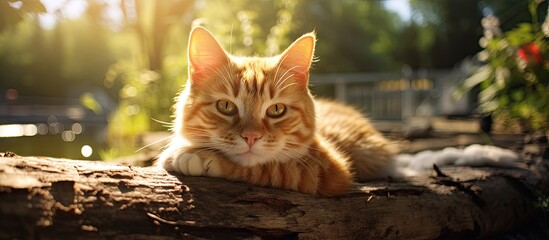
530,53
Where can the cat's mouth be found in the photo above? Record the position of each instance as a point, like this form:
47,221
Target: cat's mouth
249,153
248,158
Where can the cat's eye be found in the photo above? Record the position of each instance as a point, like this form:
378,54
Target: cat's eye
226,107
276,110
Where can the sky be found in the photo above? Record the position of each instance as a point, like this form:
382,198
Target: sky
74,8
401,7
71,10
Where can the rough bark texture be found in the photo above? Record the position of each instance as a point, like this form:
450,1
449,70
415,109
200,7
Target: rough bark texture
46,198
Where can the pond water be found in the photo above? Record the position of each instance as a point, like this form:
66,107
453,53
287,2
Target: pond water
59,127
64,140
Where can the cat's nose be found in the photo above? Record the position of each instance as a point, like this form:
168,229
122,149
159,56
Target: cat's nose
250,137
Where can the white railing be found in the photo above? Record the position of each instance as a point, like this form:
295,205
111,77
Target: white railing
389,96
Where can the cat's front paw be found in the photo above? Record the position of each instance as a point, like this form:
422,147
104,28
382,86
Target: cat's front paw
202,164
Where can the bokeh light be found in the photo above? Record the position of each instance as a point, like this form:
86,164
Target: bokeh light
77,128
68,136
18,130
86,151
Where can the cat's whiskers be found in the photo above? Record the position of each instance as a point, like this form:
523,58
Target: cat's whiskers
301,143
222,76
202,149
197,133
282,78
155,142
165,146
303,156
289,85
229,70
278,68
207,143
307,166
231,76
165,124
289,169
290,154
196,128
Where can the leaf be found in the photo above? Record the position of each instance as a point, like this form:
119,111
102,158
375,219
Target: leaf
489,106
488,94
482,74
521,35
89,101
517,95
33,6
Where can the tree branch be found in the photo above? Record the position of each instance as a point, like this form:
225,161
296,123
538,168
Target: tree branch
50,198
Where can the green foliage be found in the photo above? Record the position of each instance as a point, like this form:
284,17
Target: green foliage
52,62
149,76
140,59
354,36
13,11
445,33
250,27
515,78
91,103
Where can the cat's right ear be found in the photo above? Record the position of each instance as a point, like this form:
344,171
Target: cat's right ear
205,54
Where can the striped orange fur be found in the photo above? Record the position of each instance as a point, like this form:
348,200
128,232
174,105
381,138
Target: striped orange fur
253,119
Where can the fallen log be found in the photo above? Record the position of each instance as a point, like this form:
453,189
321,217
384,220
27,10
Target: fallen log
47,198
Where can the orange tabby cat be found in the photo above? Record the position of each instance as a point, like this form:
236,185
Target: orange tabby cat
253,119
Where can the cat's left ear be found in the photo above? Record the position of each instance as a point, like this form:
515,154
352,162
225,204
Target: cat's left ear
298,57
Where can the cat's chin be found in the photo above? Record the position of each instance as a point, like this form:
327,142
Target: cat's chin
250,159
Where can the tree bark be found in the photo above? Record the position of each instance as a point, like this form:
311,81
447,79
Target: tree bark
47,198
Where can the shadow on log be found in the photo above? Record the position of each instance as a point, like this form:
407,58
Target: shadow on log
47,198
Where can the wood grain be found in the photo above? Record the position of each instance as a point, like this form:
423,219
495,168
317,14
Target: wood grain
47,198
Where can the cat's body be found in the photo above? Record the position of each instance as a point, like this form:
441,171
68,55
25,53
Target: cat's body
254,120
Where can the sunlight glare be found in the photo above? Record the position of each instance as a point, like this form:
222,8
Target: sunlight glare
18,130
74,9
401,7
69,9
86,150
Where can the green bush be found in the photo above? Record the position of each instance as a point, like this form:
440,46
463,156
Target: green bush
514,81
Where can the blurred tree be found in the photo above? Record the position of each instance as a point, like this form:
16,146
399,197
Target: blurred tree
411,50
52,62
452,34
151,21
353,35
513,12
243,26
446,36
152,74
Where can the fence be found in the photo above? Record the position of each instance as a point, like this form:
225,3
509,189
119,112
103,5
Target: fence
393,95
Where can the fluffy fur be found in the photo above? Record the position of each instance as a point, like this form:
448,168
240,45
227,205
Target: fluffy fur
254,120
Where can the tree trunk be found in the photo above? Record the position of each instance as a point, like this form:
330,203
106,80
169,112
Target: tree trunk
47,198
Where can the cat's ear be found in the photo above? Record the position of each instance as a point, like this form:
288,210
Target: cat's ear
298,57
205,54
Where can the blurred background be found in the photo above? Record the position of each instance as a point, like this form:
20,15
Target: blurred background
96,79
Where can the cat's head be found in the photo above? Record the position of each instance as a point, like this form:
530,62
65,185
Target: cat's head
254,110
